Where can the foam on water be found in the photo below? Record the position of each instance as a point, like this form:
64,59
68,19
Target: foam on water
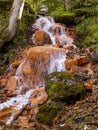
20,101
57,62
44,23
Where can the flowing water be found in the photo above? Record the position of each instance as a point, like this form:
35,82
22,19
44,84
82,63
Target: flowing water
55,31
41,61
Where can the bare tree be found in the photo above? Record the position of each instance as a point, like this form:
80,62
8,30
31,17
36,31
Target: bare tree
9,33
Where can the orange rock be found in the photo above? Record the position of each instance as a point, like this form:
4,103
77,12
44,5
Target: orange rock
75,61
37,91
3,82
70,47
43,52
57,28
16,63
73,65
26,68
89,87
23,121
82,60
68,64
71,32
11,84
41,38
89,84
37,63
73,69
39,100
39,97
23,90
5,114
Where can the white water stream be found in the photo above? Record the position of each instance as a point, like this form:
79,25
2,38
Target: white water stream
48,25
56,63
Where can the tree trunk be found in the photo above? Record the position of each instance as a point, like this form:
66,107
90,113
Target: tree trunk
67,5
16,12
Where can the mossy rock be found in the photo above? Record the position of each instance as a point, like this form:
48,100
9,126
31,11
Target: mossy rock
46,114
87,12
64,87
66,17
94,57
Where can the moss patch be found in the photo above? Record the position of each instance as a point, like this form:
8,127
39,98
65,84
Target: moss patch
86,23
88,32
46,114
66,17
5,6
64,86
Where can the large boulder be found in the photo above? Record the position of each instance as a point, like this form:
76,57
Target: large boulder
41,38
11,84
64,86
76,64
4,114
32,72
26,68
95,56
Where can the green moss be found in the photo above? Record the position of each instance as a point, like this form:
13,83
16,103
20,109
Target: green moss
87,31
59,76
5,59
80,127
64,86
5,6
46,114
87,118
63,16
87,12
23,32
69,120
59,90
87,22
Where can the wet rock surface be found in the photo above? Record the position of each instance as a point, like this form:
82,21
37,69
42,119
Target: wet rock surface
49,108
41,38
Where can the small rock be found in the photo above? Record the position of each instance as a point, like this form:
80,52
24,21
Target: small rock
26,68
11,84
95,56
3,82
41,38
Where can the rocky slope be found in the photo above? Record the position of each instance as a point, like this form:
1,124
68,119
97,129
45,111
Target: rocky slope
70,97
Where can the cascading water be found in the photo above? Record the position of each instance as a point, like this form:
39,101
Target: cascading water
40,61
56,31
44,23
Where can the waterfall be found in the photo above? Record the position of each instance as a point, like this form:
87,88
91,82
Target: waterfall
56,31
44,60
40,61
